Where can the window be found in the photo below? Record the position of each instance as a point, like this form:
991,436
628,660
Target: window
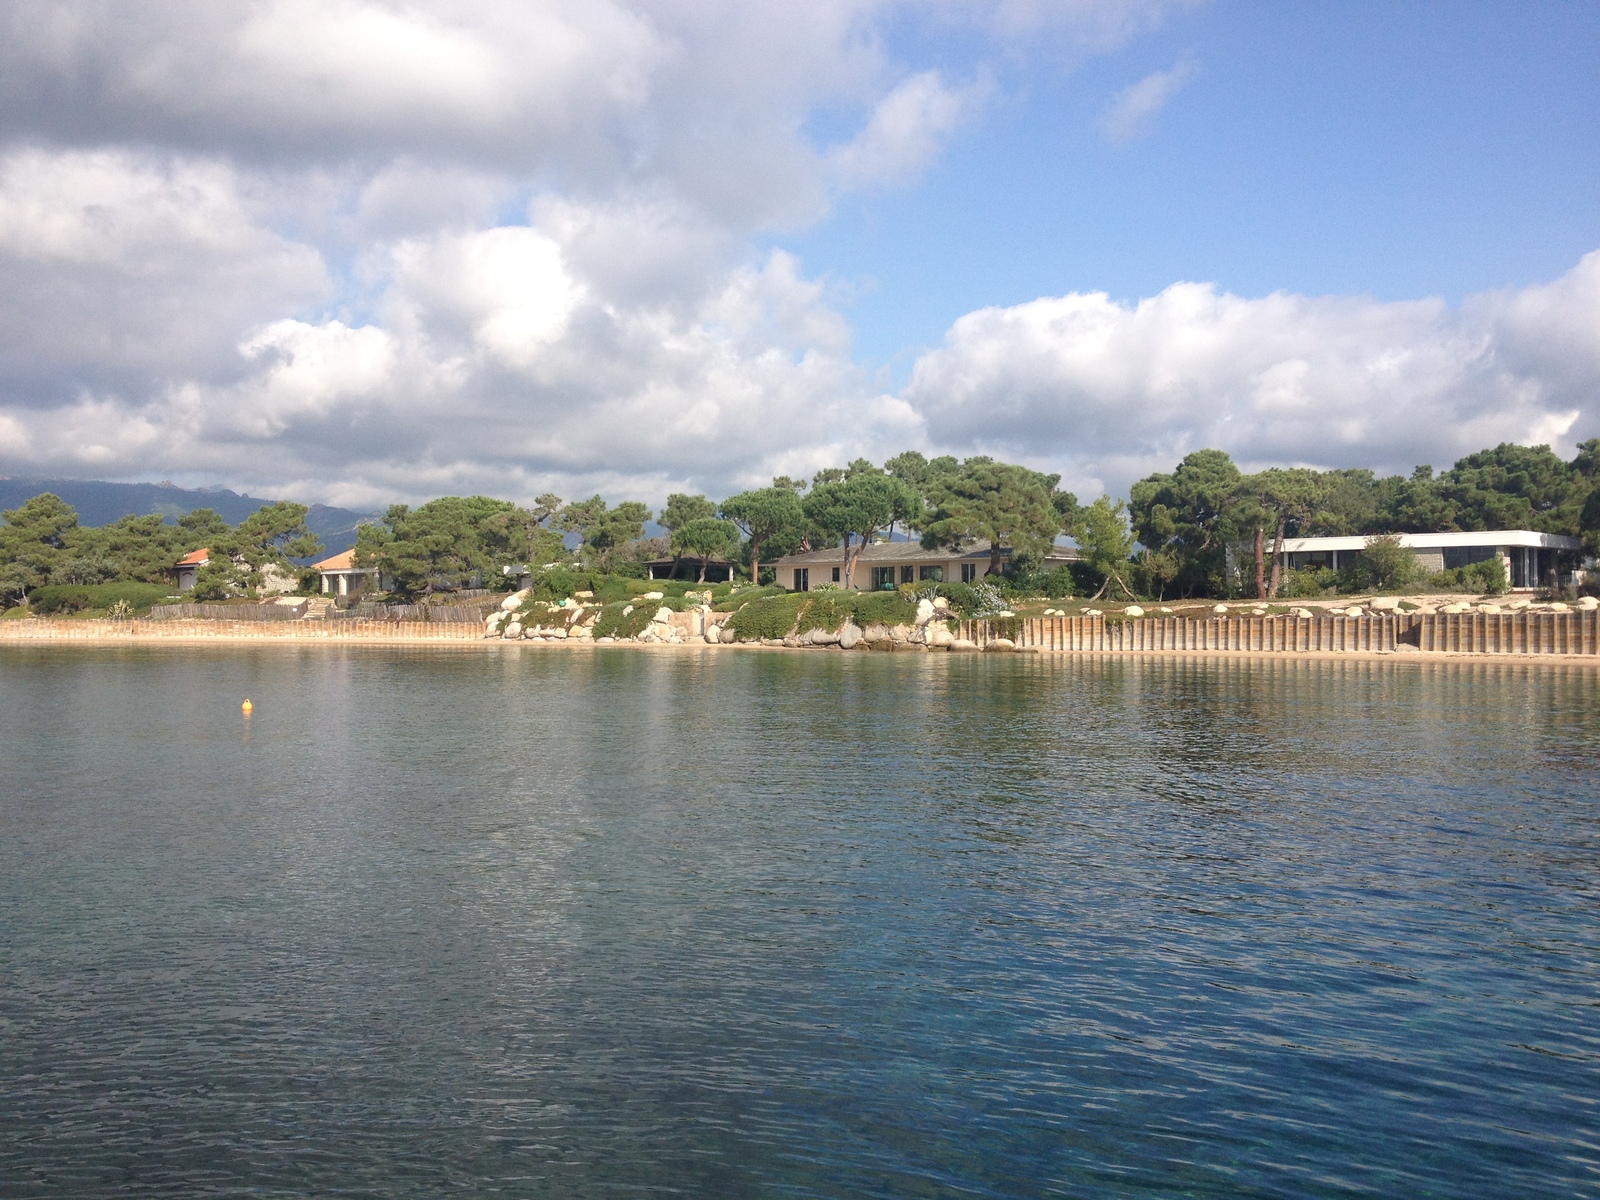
969,572
836,574
802,579
935,574
882,579
1462,556
908,574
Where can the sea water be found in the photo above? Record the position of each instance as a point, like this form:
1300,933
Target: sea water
536,921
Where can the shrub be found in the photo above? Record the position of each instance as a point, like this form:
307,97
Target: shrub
827,610
63,598
738,599
885,608
60,598
1485,578
768,617
613,622
1384,564
1306,583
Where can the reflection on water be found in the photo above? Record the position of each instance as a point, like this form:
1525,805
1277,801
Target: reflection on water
795,924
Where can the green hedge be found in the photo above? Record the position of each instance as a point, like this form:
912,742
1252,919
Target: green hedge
613,622
777,616
768,617
69,598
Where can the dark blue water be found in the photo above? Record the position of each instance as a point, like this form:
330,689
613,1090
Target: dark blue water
554,923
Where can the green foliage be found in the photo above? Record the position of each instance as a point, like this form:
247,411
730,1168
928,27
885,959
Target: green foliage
772,518
705,538
447,543
217,580
826,610
1383,565
1007,505
855,508
64,598
768,617
1105,542
1307,584
1187,515
683,510
738,599
275,533
1486,578
613,622
885,608
602,528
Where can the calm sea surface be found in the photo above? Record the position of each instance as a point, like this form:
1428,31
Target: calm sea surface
533,922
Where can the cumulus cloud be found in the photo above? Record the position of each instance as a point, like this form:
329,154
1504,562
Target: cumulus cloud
1116,390
364,250
1133,109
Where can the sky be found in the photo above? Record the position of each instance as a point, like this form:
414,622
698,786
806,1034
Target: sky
358,252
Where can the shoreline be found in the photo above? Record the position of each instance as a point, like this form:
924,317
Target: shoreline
100,635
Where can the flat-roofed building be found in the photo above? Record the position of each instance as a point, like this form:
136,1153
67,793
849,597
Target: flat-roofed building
1531,559
885,565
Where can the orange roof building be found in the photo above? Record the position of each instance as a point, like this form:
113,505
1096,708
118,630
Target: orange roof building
187,567
341,576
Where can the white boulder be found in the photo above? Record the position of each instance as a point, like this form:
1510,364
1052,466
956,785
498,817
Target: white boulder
963,646
999,645
514,601
663,614
1133,610
849,635
1588,603
654,596
713,634
1220,609
940,637
1385,604
513,630
1559,606
925,611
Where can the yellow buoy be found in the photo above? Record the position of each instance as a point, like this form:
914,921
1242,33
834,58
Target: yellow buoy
247,708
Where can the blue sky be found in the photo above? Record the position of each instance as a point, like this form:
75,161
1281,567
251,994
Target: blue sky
365,251
1391,150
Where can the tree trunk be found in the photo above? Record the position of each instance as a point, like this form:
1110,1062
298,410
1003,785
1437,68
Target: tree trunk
852,557
702,578
755,562
1261,564
1277,560
994,557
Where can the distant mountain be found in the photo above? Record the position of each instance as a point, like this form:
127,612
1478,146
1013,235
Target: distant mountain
100,503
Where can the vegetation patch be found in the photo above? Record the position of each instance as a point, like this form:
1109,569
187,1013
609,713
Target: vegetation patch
66,598
768,617
885,608
615,622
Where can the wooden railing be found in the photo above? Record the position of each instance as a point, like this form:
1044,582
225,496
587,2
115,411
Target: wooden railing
1471,633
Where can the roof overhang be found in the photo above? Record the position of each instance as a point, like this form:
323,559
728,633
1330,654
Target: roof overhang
1434,541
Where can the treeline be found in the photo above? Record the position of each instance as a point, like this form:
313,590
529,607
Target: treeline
1170,539
42,545
1186,520
455,539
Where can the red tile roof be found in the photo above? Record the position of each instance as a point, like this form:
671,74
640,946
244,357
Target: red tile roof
343,561
198,558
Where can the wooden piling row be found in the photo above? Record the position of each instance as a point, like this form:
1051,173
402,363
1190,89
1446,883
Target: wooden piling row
1470,633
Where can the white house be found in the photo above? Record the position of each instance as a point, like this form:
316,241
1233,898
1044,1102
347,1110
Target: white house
1531,559
885,565
340,575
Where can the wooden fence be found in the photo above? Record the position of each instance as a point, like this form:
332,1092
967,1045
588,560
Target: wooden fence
228,612
70,630
1470,633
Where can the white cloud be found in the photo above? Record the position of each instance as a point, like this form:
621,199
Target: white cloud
1115,390
905,134
363,250
1133,109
